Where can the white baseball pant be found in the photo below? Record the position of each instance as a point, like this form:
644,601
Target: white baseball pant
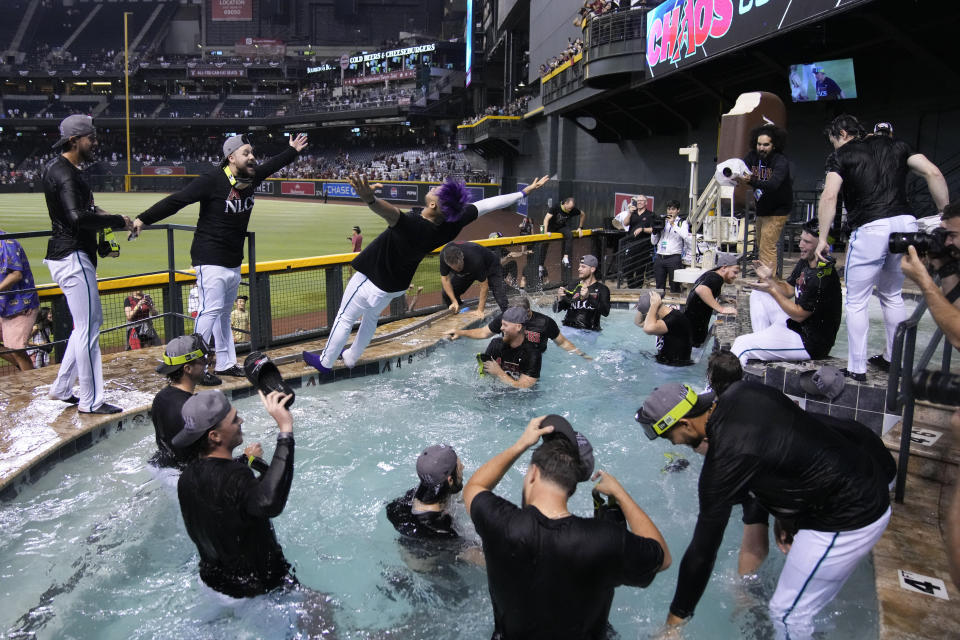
362,300
218,291
771,338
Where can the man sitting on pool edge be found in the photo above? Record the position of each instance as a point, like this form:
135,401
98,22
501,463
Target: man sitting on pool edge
512,359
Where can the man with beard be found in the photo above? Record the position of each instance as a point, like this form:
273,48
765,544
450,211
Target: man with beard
797,318
511,359
226,197
584,305
824,479
72,260
552,574
772,188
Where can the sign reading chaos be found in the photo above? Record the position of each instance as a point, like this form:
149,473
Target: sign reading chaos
682,32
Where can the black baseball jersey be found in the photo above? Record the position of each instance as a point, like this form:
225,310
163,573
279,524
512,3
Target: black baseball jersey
817,290
874,172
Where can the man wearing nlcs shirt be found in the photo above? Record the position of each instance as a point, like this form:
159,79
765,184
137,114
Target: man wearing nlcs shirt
589,300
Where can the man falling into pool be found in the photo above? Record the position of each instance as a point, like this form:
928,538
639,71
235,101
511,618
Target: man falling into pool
386,267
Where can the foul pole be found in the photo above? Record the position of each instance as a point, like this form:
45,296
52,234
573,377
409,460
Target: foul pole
126,94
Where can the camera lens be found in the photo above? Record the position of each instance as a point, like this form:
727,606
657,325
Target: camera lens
935,386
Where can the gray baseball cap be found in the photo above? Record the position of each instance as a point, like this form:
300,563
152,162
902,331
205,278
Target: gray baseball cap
517,315
590,261
434,466
667,404
201,413
74,126
563,429
724,259
826,381
233,143
180,351
643,303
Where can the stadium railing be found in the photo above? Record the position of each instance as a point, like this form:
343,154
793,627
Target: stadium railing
289,300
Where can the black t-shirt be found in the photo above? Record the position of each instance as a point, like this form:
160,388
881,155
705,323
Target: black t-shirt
584,311
561,218
478,262
227,514
697,311
874,172
642,219
515,361
771,178
828,89
815,472
391,260
539,329
673,348
224,211
817,291
168,422
554,579
432,525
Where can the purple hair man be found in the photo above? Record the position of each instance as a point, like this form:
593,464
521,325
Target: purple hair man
385,268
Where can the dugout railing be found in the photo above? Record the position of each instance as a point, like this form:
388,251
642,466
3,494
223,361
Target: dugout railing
291,300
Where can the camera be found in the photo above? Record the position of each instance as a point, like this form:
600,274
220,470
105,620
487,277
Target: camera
934,244
658,223
936,386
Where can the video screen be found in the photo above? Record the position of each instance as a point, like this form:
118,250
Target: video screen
827,80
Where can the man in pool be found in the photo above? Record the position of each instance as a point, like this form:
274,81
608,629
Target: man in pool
462,264
552,574
704,298
671,327
421,513
386,267
538,329
584,305
825,480
225,508
512,359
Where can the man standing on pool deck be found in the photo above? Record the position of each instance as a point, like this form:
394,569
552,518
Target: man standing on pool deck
386,267
825,479
589,300
871,174
552,574
226,197
462,264
72,260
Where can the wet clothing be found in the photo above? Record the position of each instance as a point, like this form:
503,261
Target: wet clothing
554,578
584,311
817,290
538,329
430,525
697,311
479,264
874,172
674,347
814,472
828,89
515,361
227,512
224,212
771,180
74,217
391,260
168,422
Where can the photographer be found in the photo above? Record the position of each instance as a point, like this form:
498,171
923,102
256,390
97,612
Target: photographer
140,307
670,242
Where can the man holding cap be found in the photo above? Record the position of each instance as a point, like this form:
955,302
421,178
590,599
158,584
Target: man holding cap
462,264
671,326
797,318
185,365
704,298
584,305
511,358
552,574
72,260
225,508
226,197
825,480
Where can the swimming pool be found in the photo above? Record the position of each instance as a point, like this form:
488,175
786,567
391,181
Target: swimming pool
98,548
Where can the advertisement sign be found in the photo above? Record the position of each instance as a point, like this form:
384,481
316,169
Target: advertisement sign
231,10
684,32
404,192
522,205
265,188
393,53
468,38
476,193
164,171
621,201
308,189
213,72
405,74
340,190
260,46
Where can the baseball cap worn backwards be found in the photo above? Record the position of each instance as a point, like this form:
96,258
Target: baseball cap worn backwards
563,429
74,126
590,261
668,404
516,315
434,466
180,351
201,413
233,143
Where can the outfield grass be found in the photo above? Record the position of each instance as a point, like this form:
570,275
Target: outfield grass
284,229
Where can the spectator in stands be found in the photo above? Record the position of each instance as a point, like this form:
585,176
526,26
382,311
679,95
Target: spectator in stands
18,303
772,188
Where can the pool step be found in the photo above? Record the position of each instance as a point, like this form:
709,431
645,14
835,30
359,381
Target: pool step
936,461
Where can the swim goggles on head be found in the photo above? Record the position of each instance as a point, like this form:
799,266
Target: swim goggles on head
198,350
675,414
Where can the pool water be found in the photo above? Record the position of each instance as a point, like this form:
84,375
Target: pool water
97,548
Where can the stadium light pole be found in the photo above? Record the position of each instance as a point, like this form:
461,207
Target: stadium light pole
126,93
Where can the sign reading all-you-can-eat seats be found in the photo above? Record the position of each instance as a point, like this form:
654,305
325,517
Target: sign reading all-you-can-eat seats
684,32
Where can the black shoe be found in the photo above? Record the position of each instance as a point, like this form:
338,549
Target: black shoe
233,371
210,380
880,362
105,408
72,400
858,377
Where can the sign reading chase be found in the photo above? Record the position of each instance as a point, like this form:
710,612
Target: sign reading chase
340,190
684,32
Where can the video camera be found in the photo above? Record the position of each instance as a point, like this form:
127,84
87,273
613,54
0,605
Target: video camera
936,386
658,223
934,244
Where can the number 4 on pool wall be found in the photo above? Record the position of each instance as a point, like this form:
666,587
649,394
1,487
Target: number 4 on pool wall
923,584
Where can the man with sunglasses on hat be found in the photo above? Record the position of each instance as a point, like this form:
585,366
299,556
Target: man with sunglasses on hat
584,305
72,260
552,574
226,196
825,480
185,366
